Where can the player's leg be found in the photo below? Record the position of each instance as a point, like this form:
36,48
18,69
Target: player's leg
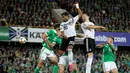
39,66
114,67
63,47
107,72
42,57
55,69
61,68
106,67
54,60
89,62
75,68
70,52
62,63
114,70
90,46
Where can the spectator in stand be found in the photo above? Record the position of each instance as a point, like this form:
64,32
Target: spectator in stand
17,11
31,12
13,59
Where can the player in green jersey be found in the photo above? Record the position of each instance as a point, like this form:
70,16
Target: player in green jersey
47,49
109,56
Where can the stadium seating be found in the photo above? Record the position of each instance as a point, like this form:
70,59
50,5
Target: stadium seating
27,12
115,15
14,59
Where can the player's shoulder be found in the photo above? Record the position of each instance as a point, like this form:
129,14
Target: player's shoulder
106,45
62,23
53,31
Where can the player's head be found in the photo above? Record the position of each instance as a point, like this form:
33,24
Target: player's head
110,39
65,16
58,32
85,17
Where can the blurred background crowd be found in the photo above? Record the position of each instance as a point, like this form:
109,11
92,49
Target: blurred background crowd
24,60
27,12
113,14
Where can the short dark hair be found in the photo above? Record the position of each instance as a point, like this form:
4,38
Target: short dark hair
65,14
111,37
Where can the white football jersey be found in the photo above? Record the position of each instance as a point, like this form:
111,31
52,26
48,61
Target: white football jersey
69,26
89,32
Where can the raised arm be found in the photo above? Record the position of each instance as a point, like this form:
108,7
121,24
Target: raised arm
76,18
79,10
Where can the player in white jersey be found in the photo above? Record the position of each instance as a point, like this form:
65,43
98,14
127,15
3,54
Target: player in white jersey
67,27
88,29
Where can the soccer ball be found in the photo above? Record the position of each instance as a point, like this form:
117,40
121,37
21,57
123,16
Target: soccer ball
22,40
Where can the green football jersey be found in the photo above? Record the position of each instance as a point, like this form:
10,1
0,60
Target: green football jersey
51,35
108,53
58,40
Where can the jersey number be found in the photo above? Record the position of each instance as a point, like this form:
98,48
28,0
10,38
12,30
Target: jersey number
65,27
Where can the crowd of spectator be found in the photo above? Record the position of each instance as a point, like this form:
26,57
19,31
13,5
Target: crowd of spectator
28,12
113,14
24,60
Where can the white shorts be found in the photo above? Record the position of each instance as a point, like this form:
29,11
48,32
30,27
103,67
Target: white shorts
46,53
64,60
109,66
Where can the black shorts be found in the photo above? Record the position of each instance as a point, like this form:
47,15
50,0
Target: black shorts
89,45
67,42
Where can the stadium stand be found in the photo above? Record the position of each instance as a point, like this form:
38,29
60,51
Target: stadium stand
113,14
27,12
109,13
16,60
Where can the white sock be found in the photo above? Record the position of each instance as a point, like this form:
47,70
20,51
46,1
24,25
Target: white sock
88,65
70,56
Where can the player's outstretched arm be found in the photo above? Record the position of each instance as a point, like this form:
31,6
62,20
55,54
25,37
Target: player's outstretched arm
95,27
100,45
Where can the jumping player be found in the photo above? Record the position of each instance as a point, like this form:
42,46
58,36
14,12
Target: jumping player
67,28
88,29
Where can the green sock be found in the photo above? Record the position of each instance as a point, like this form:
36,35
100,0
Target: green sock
55,69
74,71
37,69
